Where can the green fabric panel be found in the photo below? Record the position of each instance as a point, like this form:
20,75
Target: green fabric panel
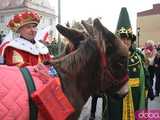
142,87
33,110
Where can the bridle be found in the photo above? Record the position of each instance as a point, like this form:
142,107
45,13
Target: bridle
104,68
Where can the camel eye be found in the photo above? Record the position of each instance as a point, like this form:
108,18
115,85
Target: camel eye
120,64
121,61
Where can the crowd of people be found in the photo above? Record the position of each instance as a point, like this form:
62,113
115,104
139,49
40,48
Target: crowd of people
143,65
151,52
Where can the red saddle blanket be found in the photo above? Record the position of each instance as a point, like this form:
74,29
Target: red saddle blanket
51,101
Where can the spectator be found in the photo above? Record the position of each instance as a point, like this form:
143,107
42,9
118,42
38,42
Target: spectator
150,53
2,35
157,72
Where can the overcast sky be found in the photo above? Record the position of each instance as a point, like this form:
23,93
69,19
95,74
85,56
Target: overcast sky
108,10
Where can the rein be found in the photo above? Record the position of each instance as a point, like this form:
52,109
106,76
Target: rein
69,75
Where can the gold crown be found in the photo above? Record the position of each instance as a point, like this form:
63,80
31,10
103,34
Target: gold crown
123,30
126,32
22,19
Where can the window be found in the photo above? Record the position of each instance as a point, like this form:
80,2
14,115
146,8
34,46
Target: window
2,19
50,21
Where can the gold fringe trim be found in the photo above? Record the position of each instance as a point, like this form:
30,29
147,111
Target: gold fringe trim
39,59
134,82
128,108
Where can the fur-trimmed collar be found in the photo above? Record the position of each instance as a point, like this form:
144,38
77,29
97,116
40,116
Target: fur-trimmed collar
22,44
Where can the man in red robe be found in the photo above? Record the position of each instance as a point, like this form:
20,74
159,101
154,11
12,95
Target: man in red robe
24,50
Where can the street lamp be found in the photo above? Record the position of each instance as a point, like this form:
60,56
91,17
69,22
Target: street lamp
59,11
138,34
59,22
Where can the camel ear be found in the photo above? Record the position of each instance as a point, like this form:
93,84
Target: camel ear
74,36
98,26
103,36
88,28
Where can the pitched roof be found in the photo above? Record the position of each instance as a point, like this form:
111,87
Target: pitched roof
155,10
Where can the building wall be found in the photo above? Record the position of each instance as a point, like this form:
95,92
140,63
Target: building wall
149,28
148,23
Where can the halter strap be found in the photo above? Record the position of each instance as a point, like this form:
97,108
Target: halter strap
104,70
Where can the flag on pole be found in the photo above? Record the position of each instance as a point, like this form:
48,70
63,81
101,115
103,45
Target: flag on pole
8,37
43,34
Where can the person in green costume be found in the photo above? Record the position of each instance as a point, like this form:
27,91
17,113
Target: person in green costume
136,99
